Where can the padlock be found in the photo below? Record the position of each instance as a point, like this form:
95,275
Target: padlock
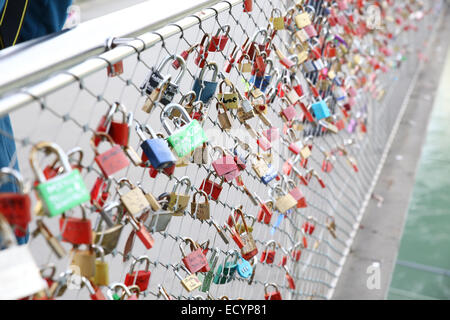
331,226
208,278
191,282
223,117
202,51
284,201
179,202
155,78
225,164
240,226
219,41
320,109
101,277
185,54
21,276
241,161
284,61
141,231
113,288
201,154
277,22
197,111
196,260
272,173
303,19
186,138
112,160
15,206
289,113
134,200
84,261
155,96
159,220
108,238
296,252
229,64
274,295
249,250
254,47
204,89
63,192
268,254
244,67
226,271
229,99
265,212
200,210
309,225
75,230
94,292
212,188
115,69
105,122
244,268
290,280
119,131
156,149
263,142
297,194
140,278
248,5
100,192
260,167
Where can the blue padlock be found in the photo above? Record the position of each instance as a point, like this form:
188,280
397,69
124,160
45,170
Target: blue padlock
270,175
321,110
261,82
244,268
156,149
205,90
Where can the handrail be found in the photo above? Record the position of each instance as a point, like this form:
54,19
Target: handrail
21,68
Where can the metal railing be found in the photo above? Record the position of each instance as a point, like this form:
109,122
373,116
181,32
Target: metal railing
62,100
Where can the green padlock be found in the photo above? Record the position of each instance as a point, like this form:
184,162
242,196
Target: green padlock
207,278
226,271
62,192
185,138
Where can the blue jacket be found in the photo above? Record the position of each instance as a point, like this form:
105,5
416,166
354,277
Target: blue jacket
42,17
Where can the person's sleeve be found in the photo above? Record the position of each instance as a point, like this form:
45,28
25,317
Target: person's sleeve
2,4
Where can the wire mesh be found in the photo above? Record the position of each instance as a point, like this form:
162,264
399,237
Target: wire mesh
69,117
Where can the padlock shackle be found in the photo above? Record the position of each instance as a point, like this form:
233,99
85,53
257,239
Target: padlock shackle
103,135
229,254
276,10
271,243
209,65
52,147
181,182
10,172
167,111
101,250
223,28
190,94
117,285
182,65
139,260
272,284
202,193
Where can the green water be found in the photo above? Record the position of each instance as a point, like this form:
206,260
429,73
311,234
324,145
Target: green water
426,237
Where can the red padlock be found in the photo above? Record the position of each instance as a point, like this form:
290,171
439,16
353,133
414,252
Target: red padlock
219,41
140,278
272,134
265,213
225,163
212,188
94,291
274,295
309,226
119,131
142,232
268,255
248,5
264,143
117,68
231,60
15,207
202,54
196,260
297,194
290,279
75,230
185,54
100,192
110,161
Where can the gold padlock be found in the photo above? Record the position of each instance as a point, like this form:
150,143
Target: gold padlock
83,262
101,277
134,201
200,209
179,202
278,22
191,282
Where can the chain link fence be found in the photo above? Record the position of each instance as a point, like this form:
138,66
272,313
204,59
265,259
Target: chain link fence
66,109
